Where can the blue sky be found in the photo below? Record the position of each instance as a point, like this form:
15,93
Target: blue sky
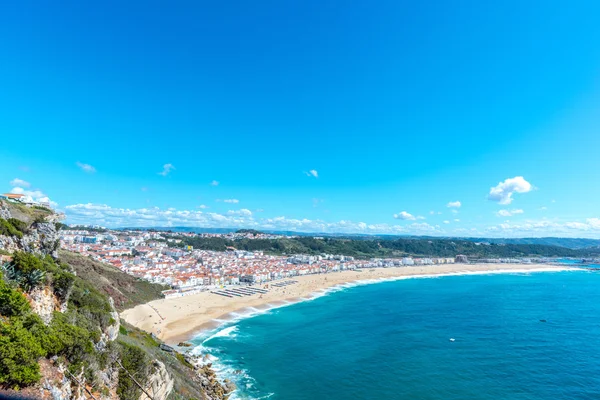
398,108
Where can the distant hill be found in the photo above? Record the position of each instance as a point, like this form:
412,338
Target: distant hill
377,247
571,243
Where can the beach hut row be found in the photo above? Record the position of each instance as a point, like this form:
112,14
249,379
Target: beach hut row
285,283
240,292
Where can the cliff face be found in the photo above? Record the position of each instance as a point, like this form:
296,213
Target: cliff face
160,383
42,237
85,349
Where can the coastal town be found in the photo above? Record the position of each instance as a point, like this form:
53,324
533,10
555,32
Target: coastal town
159,257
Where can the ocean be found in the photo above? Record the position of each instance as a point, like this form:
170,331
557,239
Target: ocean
501,336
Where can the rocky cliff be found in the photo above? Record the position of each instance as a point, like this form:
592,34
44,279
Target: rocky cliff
65,330
40,237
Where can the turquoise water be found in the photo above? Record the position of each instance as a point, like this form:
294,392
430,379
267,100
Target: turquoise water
391,340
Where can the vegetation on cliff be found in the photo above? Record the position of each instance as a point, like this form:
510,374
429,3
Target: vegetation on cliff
126,290
12,227
60,332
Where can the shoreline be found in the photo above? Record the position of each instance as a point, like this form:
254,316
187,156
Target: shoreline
183,318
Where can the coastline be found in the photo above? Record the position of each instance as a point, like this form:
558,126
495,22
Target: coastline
182,318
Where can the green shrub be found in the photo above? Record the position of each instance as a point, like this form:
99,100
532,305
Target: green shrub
62,283
74,341
43,334
12,302
8,229
26,262
19,225
136,362
19,352
90,304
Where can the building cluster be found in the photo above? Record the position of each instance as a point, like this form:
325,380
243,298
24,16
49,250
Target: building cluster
24,199
159,257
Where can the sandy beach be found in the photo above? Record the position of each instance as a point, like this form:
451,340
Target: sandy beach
179,319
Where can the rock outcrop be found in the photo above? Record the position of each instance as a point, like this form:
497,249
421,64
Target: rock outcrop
112,332
213,389
42,237
4,212
44,303
54,383
159,384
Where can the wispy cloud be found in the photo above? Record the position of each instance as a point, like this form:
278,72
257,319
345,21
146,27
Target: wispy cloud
86,167
231,201
203,206
454,204
405,216
244,212
509,213
312,173
503,191
214,183
103,214
20,182
153,216
167,168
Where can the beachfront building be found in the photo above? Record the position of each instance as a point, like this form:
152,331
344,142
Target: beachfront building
461,259
408,261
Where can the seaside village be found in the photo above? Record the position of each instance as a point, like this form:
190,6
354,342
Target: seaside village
159,257
155,256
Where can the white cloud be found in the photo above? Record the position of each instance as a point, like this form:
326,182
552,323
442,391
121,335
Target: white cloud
502,193
203,206
457,220
167,168
509,213
543,208
403,215
590,227
243,212
214,183
86,167
454,204
594,223
20,182
155,217
231,201
313,173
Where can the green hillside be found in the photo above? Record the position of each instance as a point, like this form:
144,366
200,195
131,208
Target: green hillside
127,291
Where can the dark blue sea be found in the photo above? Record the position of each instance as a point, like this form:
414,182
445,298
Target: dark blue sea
516,336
